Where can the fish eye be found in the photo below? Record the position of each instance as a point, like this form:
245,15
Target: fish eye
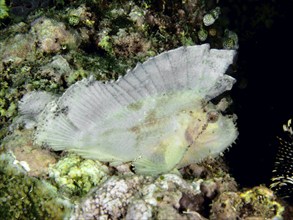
213,116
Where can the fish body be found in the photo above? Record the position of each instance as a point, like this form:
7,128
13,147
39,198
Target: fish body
158,116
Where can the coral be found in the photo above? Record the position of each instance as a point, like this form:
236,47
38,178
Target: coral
137,197
57,69
263,202
24,197
230,40
211,17
176,24
76,176
21,47
52,36
258,202
139,210
3,9
35,159
105,42
130,44
224,206
110,200
46,35
20,68
81,15
165,197
117,195
202,34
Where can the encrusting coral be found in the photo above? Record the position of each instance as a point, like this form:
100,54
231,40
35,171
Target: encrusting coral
139,197
76,176
258,202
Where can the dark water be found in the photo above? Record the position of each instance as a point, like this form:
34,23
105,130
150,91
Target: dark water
263,96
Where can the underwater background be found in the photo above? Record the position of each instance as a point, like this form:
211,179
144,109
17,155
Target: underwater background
262,97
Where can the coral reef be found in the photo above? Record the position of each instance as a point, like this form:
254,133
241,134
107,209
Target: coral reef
104,39
20,67
52,36
22,194
45,36
110,200
199,195
169,196
138,197
22,48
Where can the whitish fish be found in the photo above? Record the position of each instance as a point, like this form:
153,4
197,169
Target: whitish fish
282,181
158,116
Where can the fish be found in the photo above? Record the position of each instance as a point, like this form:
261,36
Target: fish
158,116
282,180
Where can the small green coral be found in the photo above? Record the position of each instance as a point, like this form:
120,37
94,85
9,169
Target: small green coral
106,44
185,39
3,9
212,16
73,20
230,40
202,34
80,15
77,176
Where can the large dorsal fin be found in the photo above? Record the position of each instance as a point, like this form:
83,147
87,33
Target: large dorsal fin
194,67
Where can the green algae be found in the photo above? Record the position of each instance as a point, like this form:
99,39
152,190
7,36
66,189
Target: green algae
24,197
